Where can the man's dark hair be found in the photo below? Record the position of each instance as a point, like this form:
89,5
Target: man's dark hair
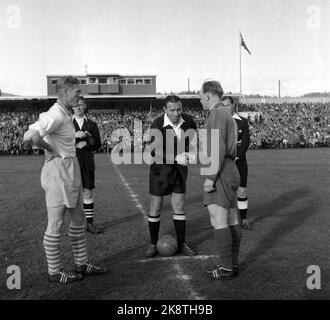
81,98
213,87
84,101
173,99
66,82
232,99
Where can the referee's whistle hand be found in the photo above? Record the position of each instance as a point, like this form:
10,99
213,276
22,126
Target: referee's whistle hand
209,185
81,144
80,134
182,159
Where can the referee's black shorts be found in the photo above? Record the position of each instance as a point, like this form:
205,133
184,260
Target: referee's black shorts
87,177
165,179
87,170
243,172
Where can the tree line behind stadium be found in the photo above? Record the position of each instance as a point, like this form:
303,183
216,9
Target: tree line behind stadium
272,125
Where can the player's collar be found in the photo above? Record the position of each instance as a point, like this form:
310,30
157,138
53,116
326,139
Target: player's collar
61,105
168,122
74,117
218,104
236,116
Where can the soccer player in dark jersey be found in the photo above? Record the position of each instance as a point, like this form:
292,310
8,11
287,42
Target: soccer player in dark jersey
243,142
169,176
87,142
220,185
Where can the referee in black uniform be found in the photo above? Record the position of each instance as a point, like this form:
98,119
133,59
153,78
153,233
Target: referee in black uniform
243,142
87,142
169,173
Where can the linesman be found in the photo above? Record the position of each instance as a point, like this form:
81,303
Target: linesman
243,142
87,142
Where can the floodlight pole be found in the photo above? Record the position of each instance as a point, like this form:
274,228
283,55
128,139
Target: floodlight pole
279,88
240,62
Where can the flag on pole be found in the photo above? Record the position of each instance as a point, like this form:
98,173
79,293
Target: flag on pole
244,45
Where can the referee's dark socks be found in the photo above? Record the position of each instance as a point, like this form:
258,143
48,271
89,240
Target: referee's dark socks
242,204
180,227
236,234
89,210
223,240
154,223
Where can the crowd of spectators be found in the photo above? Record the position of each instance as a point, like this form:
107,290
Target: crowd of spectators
12,128
290,125
287,125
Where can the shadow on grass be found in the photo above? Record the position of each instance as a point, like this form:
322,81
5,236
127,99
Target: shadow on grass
290,221
202,231
284,200
106,225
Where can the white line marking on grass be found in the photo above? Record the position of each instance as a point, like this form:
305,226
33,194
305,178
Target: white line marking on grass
180,275
131,193
185,279
199,257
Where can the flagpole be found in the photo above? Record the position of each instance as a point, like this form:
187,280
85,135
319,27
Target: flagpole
240,63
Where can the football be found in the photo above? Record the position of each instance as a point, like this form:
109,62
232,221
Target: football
167,246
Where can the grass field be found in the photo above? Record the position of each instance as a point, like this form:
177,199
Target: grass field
288,206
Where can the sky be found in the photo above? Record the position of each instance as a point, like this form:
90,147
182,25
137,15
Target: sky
173,39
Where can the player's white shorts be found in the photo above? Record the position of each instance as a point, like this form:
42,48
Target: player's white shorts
61,180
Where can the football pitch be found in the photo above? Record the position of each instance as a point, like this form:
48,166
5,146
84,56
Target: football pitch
288,207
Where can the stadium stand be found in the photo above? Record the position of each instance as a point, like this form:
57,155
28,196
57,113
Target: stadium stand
290,125
286,125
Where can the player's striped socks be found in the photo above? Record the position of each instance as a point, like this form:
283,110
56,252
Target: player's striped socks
78,242
242,204
236,234
89,210
53,253
154,223
180,227
223,240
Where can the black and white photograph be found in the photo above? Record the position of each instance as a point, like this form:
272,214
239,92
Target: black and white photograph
164,155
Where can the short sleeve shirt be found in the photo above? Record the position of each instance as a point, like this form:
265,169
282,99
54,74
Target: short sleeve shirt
56,128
